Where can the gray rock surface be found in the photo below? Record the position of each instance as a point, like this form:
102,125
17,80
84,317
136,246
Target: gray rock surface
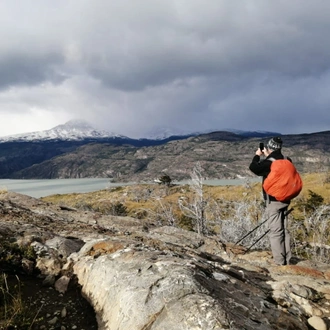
138,276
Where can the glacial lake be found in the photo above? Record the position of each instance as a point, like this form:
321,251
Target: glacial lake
42,188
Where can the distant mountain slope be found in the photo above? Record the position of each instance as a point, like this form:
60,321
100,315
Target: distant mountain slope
221,154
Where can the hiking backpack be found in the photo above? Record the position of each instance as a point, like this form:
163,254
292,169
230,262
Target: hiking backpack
283,182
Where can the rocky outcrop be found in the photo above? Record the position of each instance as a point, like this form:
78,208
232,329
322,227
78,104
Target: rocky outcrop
140,276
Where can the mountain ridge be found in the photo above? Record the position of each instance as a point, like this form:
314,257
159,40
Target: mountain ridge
222,155
77,130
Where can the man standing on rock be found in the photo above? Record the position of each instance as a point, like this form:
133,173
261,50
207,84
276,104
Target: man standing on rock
276,211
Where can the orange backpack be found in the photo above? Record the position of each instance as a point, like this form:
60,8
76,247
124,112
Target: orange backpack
283,182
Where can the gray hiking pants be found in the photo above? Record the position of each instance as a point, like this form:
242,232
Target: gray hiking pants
279,236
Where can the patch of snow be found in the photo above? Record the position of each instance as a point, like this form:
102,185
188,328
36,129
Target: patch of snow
73,130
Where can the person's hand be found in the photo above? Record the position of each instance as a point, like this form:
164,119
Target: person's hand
259,152
266,152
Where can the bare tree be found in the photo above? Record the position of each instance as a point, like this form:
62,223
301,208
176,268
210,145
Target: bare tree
161,211
195,206
242,222
311,235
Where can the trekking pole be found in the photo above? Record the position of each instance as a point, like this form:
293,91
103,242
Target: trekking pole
250,232
262,236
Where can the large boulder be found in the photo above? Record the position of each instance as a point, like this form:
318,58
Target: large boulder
164,279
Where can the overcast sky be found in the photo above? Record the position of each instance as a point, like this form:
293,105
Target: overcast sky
133,66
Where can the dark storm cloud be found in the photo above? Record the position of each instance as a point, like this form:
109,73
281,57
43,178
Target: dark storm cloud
20,69
129,66
283,39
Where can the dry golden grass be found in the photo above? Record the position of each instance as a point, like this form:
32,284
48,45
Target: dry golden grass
3,190
145,196
318,183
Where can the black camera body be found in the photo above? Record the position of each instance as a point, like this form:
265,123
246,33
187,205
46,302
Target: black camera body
261,146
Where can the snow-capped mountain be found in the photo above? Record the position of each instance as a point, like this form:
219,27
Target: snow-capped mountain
73,130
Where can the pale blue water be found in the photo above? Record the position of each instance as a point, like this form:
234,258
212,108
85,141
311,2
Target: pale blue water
41,188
